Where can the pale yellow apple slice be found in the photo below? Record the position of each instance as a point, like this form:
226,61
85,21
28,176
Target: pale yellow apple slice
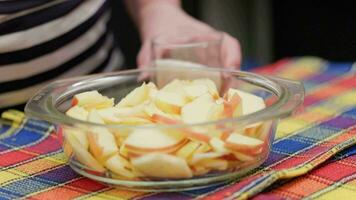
193,91
210,85
218,145
214,164
151,109
192,133
132,121
111,115
153,140
160,165
198,157
243,157
92,99
102,143
82,154
216,111
244,144
198,110
175,86
250,104
187,150
79,134
67,149
169,69
199,170
78,112
169,102
120,166
95,117
135,97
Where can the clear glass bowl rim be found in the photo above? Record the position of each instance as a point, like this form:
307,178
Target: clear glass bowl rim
284,89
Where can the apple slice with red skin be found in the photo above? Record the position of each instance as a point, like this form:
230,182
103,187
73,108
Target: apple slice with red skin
244,144
142,141
188,133
159,165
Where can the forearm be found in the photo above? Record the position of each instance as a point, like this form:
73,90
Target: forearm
141,9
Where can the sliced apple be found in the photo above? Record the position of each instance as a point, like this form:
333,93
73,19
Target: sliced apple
78,112
232,105
135,97
151,109
170,102
82,154
244,144
193,91
199,170
243,157
175,86
67,149
192,133
214,164
250,104
102,143
198,110
198,157
218,145
92,99
211,86
216,112
119,165
160,165
113,114
153,140
188,149
161,119
79,134
95,117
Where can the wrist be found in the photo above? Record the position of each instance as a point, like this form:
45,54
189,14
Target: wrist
153,11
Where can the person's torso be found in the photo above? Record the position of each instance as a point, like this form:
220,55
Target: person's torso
43,40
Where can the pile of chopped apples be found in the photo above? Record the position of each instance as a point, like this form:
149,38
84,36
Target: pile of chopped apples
156,152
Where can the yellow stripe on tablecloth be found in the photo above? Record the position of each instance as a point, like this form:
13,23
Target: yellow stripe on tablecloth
288,126
347,99
28,169
301,68
37,166
10,175
338,193
115,194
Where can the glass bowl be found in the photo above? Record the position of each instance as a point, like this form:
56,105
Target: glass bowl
282,97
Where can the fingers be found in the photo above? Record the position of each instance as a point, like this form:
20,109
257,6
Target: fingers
144,56
230,52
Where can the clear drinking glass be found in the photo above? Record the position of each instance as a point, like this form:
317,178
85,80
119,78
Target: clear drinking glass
201,49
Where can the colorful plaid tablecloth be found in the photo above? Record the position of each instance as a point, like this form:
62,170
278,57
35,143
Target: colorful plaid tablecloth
32,164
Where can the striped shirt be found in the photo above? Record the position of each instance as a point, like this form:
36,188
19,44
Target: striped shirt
43,40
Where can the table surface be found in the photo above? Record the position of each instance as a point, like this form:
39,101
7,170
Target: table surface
32,164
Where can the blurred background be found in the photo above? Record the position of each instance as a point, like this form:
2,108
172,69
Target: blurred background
268,30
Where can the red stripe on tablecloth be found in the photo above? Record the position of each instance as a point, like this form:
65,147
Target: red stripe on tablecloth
331,90
14,157
50,144
71,190
228,190
87,185
269,69
293,161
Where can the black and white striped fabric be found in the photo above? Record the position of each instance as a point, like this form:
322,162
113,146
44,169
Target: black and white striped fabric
43,40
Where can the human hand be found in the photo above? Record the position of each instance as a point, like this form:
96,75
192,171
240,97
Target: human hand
167,19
